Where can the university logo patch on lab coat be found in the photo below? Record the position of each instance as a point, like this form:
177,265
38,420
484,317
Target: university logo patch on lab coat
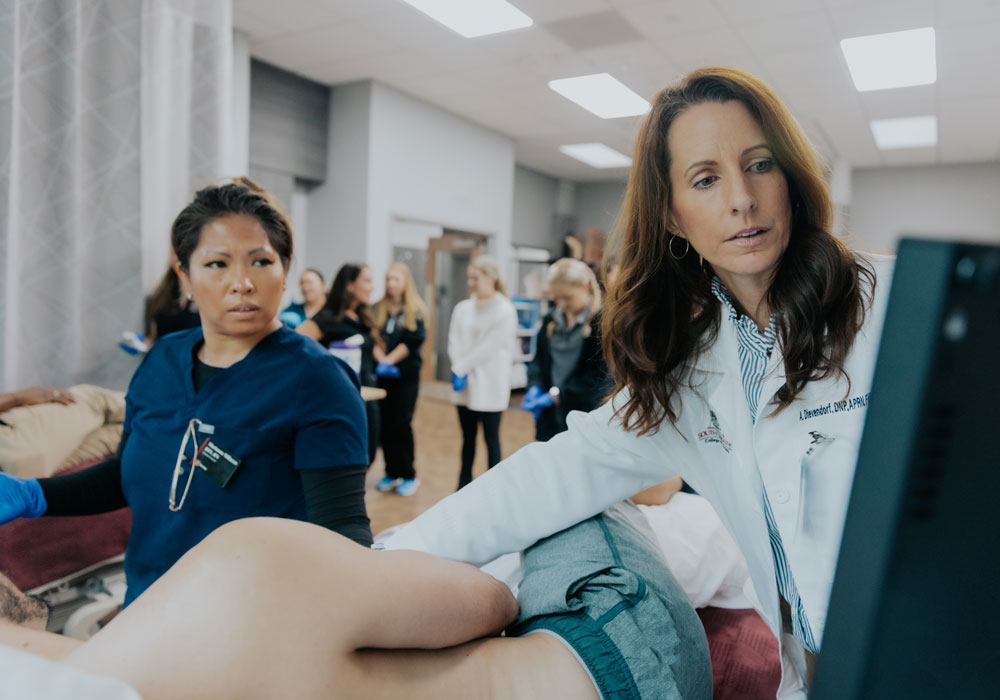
714,434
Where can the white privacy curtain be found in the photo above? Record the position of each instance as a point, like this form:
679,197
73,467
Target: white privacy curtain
111,113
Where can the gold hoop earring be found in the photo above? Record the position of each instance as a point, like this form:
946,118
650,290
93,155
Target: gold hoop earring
670,247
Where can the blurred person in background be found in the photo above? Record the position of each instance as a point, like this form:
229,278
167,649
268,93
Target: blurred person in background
400,317
568,372
347,314
481,349
313,288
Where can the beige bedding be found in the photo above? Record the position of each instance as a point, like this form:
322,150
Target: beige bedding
38,441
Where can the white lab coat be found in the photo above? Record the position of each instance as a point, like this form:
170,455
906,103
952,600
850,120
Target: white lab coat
481,346
804,456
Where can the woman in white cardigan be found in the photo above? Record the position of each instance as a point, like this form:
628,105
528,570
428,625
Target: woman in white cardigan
481,350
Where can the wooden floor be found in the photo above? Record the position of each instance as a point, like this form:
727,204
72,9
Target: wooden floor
438,446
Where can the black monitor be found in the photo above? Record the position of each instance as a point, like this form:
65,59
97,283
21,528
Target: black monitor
915,607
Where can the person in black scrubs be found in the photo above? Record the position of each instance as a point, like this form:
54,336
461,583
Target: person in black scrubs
169,310
240,417
400,316
345,315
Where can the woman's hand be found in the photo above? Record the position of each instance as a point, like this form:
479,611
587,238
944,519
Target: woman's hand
44,394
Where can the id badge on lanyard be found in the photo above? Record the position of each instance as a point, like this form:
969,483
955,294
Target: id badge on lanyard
217,462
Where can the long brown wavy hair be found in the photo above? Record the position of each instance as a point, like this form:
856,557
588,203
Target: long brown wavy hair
661,314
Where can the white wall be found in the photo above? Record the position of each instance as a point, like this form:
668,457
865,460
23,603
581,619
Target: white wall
535,197
429,165
338,209
941,201
597,205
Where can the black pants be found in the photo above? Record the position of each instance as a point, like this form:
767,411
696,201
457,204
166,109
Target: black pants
469,421
397,433
372,414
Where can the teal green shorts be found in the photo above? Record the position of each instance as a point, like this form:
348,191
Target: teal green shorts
603,588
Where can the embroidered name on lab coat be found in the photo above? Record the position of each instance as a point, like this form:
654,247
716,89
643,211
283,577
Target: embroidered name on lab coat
849,404
714,434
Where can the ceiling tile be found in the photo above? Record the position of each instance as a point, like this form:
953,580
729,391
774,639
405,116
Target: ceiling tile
910,156
286,16
784,35
332,41
967,11
704,48
851,19
968,129
741,11
659,19
828,83
542,11
900,102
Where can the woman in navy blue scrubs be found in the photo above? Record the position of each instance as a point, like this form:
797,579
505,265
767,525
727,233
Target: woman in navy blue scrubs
274,424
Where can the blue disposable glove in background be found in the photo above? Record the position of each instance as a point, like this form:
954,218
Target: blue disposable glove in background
542,402
20,498
384,369
530,397
458,383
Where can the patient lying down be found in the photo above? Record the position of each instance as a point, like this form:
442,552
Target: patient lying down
267,608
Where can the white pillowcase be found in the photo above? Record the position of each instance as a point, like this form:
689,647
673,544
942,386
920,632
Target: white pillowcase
700,551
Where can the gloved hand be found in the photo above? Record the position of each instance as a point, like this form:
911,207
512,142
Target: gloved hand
20,498
458,383
543,402
385,369
530,397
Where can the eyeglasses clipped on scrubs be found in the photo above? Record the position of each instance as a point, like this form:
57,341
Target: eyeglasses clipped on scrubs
190,434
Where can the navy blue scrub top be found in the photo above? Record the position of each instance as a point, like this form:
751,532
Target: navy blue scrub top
288,405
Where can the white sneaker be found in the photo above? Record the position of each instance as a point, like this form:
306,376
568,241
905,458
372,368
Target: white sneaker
387,483
408,487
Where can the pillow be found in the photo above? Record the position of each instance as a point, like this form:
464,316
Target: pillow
700,551
99,445
37,440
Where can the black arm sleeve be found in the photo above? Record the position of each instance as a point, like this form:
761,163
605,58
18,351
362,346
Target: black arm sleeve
87,492
335,499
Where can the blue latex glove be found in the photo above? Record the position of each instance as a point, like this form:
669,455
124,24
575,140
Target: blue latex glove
458,383
543,402
384,369
530,397
20,498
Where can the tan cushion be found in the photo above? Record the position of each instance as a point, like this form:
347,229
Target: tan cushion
100,444
37,440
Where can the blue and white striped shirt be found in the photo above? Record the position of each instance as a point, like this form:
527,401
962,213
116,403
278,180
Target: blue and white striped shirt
754,351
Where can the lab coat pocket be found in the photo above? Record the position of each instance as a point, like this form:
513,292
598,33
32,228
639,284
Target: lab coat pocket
258,452
816,507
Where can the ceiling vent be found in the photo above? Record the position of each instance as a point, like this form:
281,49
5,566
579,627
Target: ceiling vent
593,31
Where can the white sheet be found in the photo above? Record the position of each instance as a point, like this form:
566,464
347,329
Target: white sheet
24,675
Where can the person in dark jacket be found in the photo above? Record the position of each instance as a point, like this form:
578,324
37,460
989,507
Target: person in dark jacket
568,372
345,315
399,315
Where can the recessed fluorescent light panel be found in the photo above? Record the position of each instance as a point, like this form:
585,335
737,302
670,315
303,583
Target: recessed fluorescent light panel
601,94
899,59
472,18
909,132
596,155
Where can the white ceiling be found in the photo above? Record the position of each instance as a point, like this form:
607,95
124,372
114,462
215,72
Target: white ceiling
501,81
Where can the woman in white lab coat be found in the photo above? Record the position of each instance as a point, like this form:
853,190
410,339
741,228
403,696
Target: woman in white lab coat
741,335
